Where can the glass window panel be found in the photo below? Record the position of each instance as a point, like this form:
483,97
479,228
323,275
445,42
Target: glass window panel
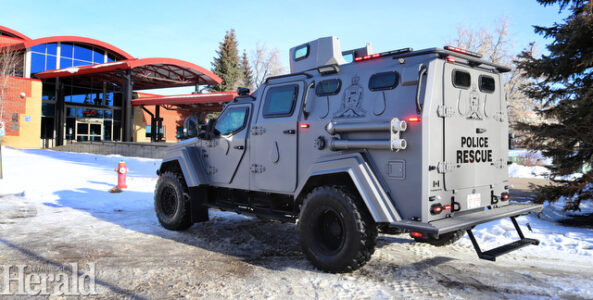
66,50
487,84
37,63
301,52
70,122
47,109
47,128
117,101
97,99
65,63
328,87
82,128
231,120
48,92
117,114
38,48
50,63
349,57
108,98
52,48
280,101
108,114
461,79
98,56
82,138
107,130
70,111
79,112
78,98
78,63
83,53
96,129
117,131
111,58
383,81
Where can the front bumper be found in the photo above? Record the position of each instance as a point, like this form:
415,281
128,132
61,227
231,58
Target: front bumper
467,221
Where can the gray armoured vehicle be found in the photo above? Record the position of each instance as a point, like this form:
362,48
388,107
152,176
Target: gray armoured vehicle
401,141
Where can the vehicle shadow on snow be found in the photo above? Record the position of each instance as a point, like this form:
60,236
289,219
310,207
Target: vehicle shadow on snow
263,243
258,242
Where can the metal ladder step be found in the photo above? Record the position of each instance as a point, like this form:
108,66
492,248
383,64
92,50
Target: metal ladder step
498,251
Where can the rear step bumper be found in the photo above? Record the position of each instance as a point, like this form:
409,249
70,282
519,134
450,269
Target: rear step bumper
467,221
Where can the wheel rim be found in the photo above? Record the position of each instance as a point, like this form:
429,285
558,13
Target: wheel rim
330,231
168,202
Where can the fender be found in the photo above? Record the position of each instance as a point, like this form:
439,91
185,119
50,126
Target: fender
374,196
190,162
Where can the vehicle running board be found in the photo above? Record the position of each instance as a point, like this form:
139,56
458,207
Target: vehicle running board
498,251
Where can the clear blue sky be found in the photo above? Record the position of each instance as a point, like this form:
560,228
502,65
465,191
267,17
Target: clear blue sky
191,30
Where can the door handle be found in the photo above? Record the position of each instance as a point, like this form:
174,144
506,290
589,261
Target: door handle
480,130
289,131
239,147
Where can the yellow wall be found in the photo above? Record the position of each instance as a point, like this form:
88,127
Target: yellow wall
140,126
29,132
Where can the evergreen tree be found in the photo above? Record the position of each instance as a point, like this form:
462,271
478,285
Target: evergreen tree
562,82
226,64
246,71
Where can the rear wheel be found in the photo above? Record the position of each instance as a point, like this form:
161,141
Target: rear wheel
337,233
443,240
171,202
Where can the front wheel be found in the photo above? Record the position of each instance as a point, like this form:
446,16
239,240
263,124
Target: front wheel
336,231
171,202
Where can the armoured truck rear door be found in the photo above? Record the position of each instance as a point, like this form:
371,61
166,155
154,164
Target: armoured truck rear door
273,138
474,112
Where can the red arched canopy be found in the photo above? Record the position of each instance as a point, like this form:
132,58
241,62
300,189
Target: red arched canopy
79,39
146,73
13,33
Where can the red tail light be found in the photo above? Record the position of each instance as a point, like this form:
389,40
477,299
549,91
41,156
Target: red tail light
416,234
436,209
463,51
413,119
504,196
447,207
451,59
304,125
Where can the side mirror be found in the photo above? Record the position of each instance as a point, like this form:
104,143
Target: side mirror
243,91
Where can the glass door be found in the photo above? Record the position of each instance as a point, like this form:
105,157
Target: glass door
89,130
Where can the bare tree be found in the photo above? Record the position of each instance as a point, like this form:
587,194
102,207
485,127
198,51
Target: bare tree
265,63
496,46
10,61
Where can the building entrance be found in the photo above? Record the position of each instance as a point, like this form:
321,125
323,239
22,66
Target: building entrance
89,129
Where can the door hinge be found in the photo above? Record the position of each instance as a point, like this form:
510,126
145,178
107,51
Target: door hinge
257,130
255,168
444,111
445,167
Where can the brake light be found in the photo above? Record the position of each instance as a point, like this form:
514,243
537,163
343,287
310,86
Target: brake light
504,196
416,234
447,207
304,125
451,59
413,119
377,55
463,51
436,209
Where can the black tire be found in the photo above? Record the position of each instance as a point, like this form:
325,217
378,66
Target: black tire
443,240
171,202
336,231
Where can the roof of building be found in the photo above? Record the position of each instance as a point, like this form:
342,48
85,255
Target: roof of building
147,73
13,33
206,102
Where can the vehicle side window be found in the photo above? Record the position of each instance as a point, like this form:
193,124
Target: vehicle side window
461,79
486,83
328,87
301,52
232,120
280,101
383,81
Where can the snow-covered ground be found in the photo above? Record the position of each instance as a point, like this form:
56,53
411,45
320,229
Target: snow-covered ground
55,208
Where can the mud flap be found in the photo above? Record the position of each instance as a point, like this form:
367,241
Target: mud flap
498,251
199,212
